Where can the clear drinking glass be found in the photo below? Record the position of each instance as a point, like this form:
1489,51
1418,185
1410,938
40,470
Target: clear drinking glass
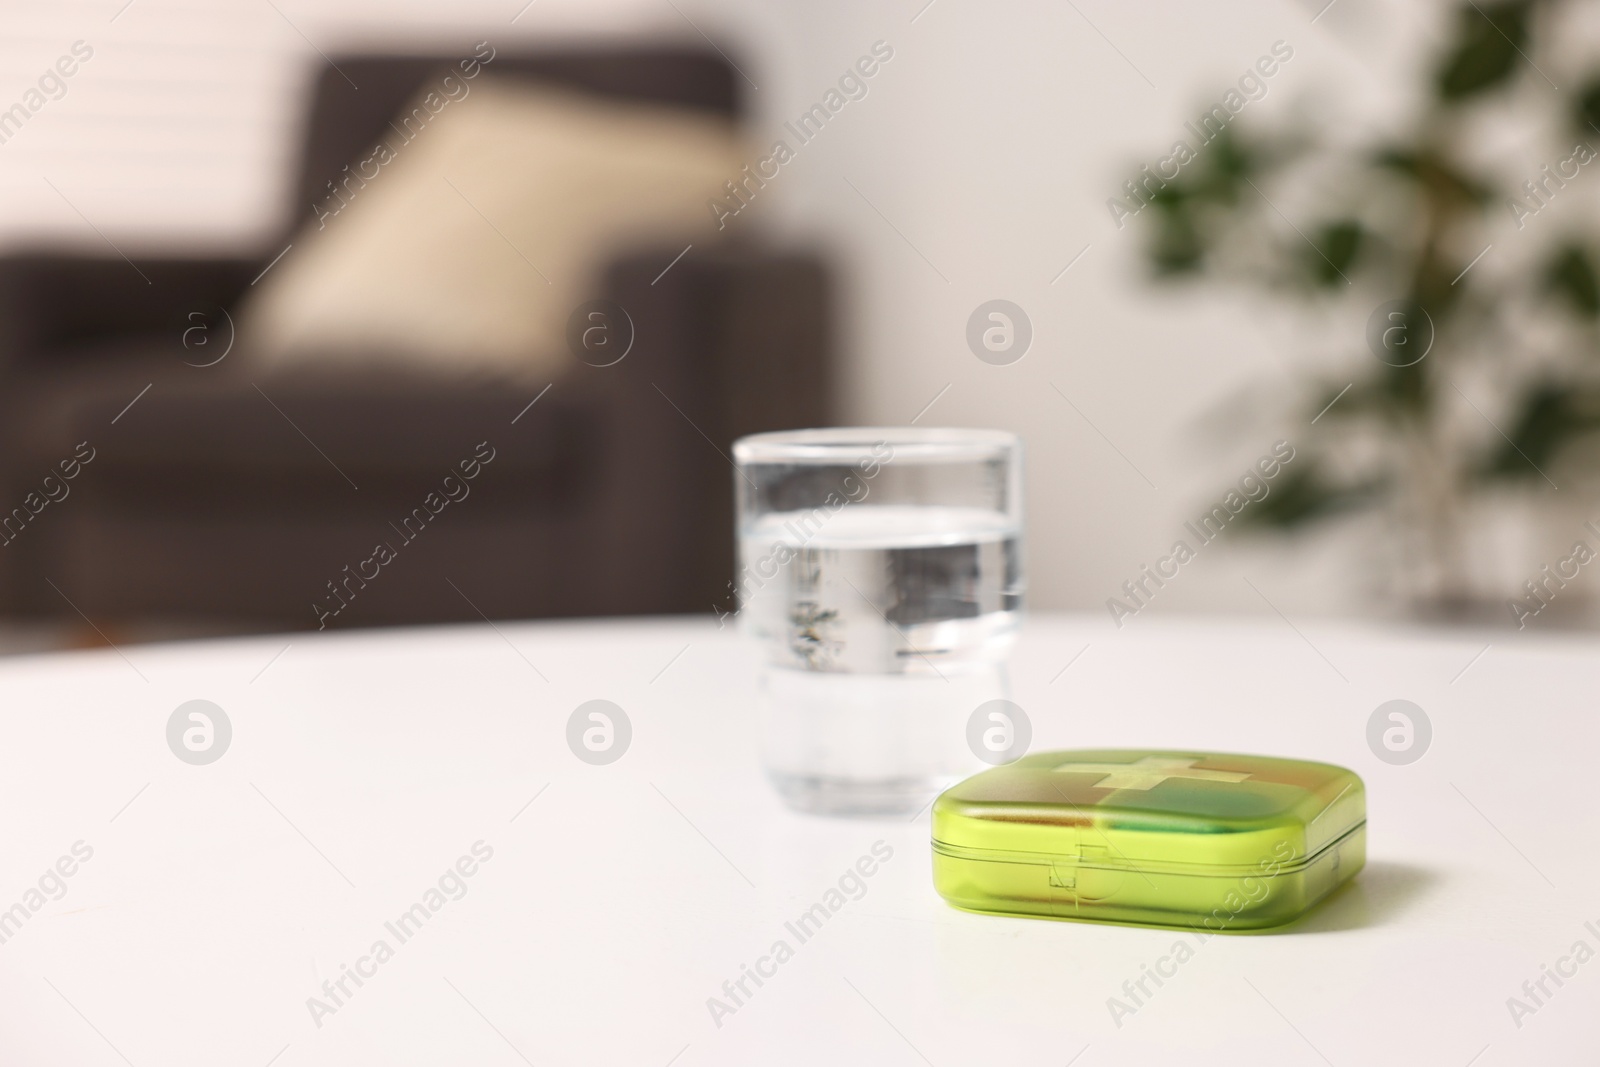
880,572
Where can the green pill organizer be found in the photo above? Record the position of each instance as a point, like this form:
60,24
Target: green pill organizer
1194,839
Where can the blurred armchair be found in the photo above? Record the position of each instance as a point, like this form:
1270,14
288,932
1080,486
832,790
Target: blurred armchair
209,498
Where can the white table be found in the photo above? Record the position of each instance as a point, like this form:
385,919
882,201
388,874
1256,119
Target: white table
362,766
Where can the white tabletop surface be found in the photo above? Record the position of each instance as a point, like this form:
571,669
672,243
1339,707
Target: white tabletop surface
219,898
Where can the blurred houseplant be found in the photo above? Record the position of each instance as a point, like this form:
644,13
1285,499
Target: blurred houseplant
1393,226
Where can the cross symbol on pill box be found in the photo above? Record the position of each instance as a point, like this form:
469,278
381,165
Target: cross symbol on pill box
1147,773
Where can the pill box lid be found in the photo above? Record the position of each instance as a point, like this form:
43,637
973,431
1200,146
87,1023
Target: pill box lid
1152,809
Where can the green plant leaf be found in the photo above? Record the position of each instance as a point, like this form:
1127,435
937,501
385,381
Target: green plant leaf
1550,417
1586,107
1570,276
1226,162
1488,37
1337,246
1304,493
1177,246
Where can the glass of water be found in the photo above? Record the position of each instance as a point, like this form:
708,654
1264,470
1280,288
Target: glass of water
880,574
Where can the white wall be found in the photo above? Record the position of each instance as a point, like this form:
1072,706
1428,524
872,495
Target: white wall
987,147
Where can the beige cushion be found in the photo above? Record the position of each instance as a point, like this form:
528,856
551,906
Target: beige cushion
472,245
